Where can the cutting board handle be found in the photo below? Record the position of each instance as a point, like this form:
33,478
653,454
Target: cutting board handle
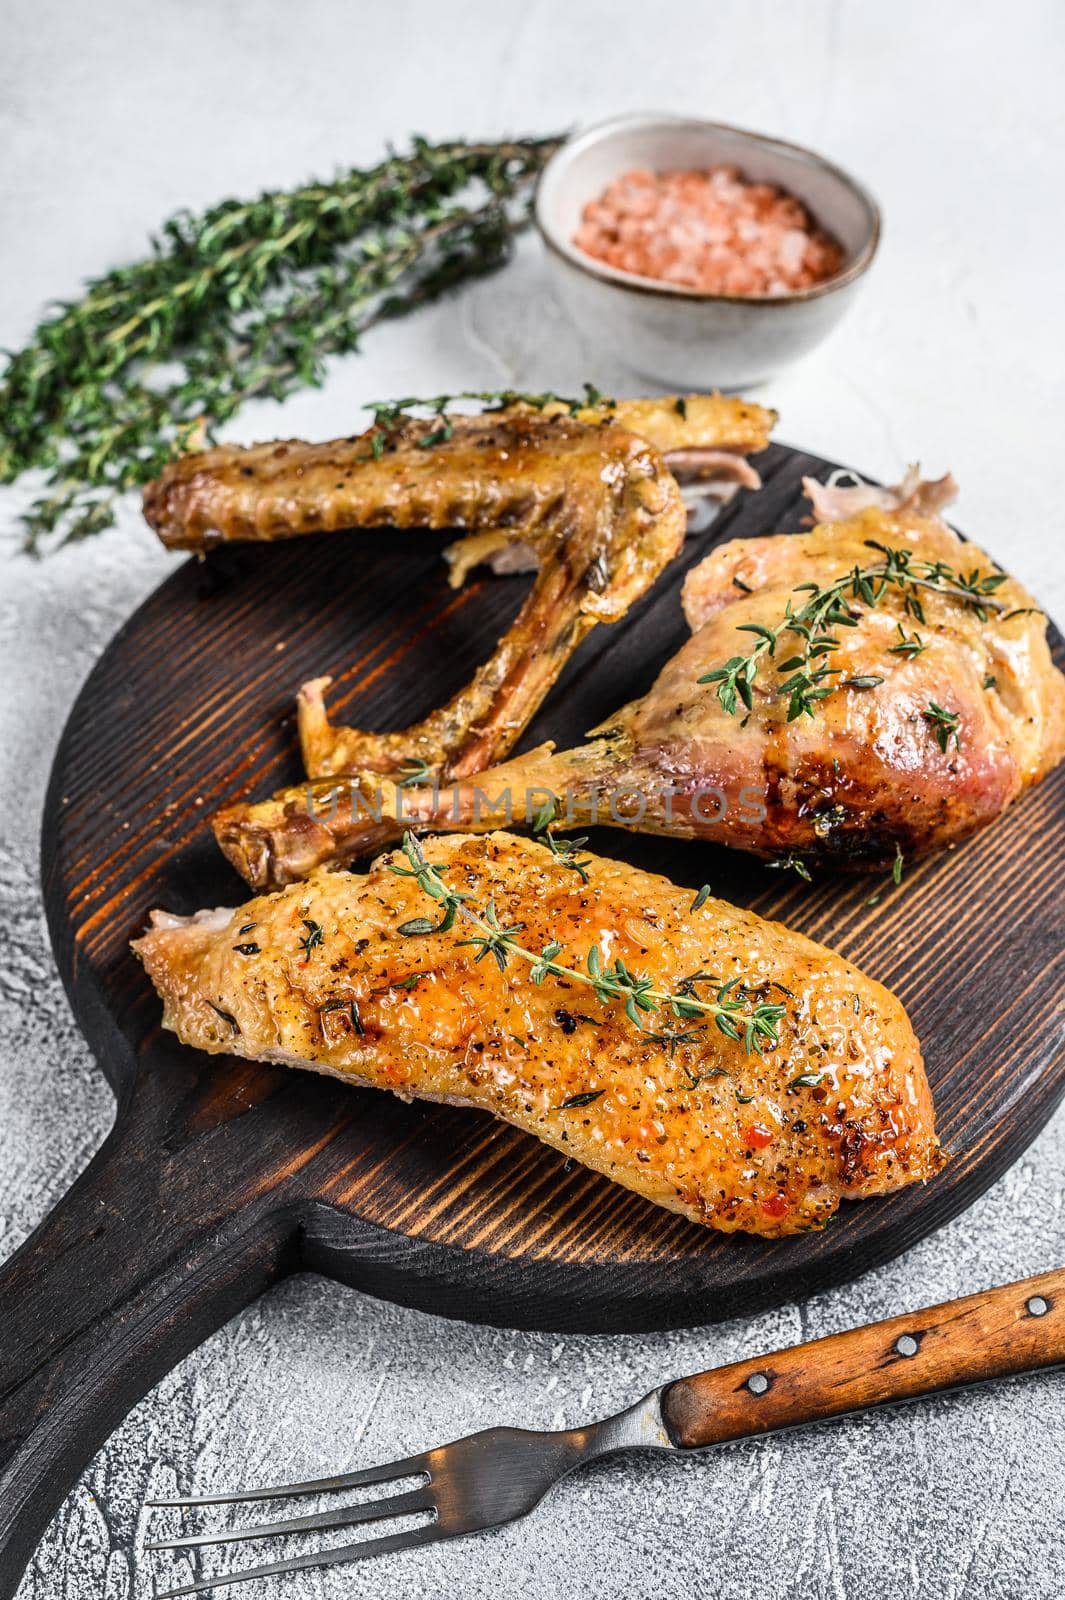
137,1264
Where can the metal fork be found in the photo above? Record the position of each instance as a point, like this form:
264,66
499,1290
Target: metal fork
494,1477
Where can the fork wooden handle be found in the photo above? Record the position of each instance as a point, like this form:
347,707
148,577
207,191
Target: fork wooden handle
1017,1328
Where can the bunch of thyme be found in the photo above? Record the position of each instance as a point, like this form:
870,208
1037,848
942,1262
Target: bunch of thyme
246,299
808,677
731,1007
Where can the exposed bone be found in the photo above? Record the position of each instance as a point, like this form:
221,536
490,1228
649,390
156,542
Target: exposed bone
708,479
835,500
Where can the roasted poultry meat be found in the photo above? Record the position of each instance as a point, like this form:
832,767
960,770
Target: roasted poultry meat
344,974
587,498
908,714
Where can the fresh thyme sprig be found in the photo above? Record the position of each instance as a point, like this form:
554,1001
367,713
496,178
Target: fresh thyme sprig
792,863
732,1009
415,771
387,412
808,676
246,299
565,851
944,724
910,645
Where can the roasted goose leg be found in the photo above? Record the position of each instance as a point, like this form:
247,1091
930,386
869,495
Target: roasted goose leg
586,500
930,729
332,975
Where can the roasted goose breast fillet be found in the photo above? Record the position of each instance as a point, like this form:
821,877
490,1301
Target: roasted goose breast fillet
321,976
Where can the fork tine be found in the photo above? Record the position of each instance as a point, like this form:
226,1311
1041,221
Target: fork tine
347,1480
396,1505
320,1558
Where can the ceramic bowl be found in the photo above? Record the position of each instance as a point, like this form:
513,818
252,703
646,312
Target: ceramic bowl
680,336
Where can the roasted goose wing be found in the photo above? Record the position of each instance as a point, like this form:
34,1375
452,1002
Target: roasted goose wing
597,505
941,708
282,490
333,975
585,499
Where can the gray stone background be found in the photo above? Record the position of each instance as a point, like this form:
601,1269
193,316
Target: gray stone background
114,114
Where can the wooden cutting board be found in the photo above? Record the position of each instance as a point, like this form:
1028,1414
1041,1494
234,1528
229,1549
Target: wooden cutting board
221,1176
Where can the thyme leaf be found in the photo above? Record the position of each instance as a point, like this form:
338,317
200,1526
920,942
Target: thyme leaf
944,725
564,851
352,1009
226,1016
414,772
792,863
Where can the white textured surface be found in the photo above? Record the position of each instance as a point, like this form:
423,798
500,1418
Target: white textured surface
114,114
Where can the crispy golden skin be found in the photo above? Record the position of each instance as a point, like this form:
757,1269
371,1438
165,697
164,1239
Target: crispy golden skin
585,501
746,1147
846,788
487,475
